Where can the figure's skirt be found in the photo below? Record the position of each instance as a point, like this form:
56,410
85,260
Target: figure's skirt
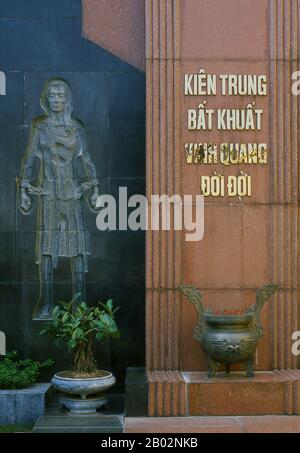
61,230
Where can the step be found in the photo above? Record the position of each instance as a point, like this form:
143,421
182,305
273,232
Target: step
79,424
110,419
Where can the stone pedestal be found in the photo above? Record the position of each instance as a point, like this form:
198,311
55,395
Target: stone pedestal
269,393
193,394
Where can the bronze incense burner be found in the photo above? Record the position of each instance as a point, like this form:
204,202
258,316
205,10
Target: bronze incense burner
229,339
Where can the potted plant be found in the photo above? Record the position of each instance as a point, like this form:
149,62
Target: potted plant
22,399
79,327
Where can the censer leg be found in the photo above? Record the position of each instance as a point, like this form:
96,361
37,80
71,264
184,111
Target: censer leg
212,367
250,367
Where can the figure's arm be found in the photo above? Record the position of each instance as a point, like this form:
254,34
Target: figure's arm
27,167
90,169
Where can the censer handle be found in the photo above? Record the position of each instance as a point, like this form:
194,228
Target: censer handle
195,297
262,295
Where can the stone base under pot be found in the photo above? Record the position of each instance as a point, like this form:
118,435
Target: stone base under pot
77,405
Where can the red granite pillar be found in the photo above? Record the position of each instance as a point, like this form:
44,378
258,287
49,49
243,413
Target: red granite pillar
163,263
248,242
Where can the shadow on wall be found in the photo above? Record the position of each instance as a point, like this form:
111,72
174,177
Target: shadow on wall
40,40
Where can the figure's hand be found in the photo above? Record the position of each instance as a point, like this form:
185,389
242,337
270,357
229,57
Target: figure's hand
94,198
25,201
78,193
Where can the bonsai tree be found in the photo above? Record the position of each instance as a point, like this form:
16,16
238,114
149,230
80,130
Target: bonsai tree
79,327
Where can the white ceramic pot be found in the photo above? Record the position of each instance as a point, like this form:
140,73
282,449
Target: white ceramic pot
83,387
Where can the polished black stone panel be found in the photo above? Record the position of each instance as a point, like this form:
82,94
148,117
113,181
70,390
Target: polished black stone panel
10,295
136,399
7,204
14,342
39,40
130,352
127,145
116,257
12,105
135,186
13,141
40,8
35,347
98,139
8,270
132,109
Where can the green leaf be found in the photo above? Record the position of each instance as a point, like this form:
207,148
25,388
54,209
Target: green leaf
65,317
72,343
109,304
45,330
78,333
55,311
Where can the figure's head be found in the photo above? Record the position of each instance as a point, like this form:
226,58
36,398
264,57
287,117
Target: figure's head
57,98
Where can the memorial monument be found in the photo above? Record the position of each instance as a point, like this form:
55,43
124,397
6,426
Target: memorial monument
222,121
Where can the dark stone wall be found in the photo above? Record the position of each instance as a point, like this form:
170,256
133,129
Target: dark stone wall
39,40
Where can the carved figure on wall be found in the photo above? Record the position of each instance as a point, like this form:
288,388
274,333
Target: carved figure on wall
58,140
